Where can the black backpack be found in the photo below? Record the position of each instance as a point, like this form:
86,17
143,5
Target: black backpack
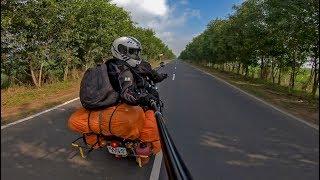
96,91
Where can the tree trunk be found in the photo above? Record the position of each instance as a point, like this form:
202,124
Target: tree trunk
262,68
242,69
272,71
238,70
40,75
34,79
293,74
279,76
246,71
316,69
307,83
266,70
292,78
66,71
316,77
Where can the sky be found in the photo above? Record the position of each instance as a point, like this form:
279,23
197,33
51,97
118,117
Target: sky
176,22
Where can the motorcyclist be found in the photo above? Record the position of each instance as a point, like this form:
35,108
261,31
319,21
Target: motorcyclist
128,72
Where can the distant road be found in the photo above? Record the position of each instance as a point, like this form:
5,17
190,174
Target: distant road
220,132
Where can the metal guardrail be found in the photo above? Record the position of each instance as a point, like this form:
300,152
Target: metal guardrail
176,168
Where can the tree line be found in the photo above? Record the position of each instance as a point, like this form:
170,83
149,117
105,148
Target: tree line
44,41
276,37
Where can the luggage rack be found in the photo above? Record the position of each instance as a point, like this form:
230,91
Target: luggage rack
81,148
84,155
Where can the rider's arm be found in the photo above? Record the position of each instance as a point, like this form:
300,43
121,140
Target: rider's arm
131,94
124,83
144,68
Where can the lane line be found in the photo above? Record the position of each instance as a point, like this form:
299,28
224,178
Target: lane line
175,67
174,75
155,172
38,114
258,99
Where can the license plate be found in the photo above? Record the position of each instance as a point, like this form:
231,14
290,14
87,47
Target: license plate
117,151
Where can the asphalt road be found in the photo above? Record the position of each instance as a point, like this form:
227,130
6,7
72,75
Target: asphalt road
220,132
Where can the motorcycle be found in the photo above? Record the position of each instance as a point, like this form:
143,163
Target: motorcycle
118,146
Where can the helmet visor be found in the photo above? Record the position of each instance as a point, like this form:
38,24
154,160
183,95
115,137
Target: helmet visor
134,53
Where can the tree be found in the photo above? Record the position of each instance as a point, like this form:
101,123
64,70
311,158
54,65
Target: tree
276,35
43,39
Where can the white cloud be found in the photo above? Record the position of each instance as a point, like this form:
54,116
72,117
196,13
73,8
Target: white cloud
150,7
167,36
179,42
162,18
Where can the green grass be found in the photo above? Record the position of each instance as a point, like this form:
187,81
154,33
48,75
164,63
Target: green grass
16,96
20,101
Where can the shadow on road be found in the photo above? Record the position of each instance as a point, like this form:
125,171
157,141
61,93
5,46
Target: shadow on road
277,150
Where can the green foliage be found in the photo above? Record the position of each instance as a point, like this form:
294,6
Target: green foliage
42,40
276,36
4,81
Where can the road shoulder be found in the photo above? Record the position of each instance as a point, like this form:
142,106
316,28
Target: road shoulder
305,114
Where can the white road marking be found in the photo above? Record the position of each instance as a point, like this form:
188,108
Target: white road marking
260,100
155,172
38,114
174,75
175,67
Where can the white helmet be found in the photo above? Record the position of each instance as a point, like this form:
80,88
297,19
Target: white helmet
127,49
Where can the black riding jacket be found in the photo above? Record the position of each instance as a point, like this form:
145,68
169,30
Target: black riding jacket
131,82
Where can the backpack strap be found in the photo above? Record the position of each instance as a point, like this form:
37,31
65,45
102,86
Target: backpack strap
89,121
112,117
104,70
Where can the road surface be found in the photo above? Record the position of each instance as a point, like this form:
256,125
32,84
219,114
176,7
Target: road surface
220,132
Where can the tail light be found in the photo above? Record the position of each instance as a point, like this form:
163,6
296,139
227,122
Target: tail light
114,144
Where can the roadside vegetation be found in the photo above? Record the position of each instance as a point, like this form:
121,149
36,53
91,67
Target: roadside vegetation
46,45
21,101
297,102
270,40
269,48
